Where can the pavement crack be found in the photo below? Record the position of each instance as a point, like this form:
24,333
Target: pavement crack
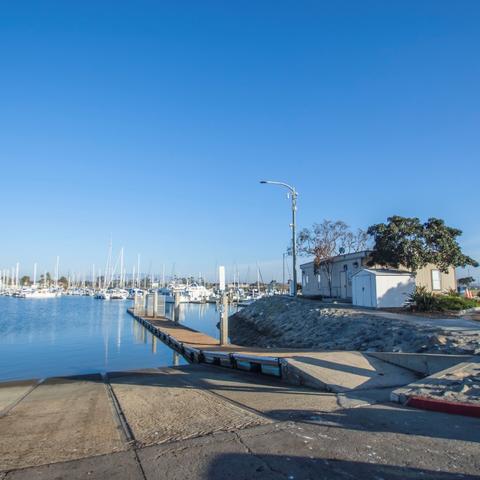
139,464
258,457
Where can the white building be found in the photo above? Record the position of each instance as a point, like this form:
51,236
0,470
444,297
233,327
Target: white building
381,288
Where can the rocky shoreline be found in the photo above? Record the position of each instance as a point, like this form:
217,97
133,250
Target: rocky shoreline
286,322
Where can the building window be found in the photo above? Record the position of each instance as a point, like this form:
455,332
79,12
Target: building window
318,279
436,280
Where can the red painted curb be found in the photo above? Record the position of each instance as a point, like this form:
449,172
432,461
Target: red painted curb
455,408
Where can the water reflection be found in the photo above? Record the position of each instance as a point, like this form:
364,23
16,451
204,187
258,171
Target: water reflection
176,359
73,335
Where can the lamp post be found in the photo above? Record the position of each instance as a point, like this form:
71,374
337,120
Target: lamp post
293,225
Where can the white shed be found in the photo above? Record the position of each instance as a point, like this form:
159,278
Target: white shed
381,288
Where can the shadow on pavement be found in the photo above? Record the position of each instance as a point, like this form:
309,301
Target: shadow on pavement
393,419
241,467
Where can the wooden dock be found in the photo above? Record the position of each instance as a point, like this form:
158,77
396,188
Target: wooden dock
197,347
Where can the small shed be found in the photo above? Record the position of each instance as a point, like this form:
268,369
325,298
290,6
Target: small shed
381,288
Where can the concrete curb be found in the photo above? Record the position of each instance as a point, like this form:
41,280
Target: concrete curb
455,408
468,310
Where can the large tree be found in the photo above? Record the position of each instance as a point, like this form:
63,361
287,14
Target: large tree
466,281
408,242
326,240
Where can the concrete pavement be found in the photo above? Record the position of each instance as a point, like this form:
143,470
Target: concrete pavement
61,419
346,371
200,422
463,325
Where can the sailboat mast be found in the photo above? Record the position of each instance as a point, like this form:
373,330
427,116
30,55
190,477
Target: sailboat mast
138,270
121,268
56,271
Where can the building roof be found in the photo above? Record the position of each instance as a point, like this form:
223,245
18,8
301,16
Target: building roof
382,272
346,256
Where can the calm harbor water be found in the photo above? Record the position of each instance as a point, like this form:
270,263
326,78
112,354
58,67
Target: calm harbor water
74,335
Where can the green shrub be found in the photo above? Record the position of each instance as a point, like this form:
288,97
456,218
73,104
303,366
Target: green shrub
448,302
423,300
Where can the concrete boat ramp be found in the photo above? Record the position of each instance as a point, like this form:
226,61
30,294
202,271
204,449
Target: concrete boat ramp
206,422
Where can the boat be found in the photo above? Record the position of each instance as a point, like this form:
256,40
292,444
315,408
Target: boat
118,294
197,293
172,290
135,292
102,295
39,293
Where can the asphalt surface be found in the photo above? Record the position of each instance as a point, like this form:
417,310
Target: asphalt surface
196,422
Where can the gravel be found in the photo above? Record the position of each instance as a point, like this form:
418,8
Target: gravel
285,322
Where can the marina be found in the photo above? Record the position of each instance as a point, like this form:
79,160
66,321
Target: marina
218,260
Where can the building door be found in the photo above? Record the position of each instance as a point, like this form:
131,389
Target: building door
363,291
343,284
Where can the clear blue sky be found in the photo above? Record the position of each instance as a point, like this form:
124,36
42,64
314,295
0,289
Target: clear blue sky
152,121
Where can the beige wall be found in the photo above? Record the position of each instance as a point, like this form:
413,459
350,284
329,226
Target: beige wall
317,283
448,281
344,267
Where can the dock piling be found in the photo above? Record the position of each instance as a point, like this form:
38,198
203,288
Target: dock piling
224,320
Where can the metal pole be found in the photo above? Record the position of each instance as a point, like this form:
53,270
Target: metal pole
294,194
294,240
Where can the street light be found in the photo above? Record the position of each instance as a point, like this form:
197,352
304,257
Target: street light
293,194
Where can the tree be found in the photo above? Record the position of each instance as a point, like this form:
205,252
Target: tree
407,242
63,282
25,281
326,240
465,281
45,279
